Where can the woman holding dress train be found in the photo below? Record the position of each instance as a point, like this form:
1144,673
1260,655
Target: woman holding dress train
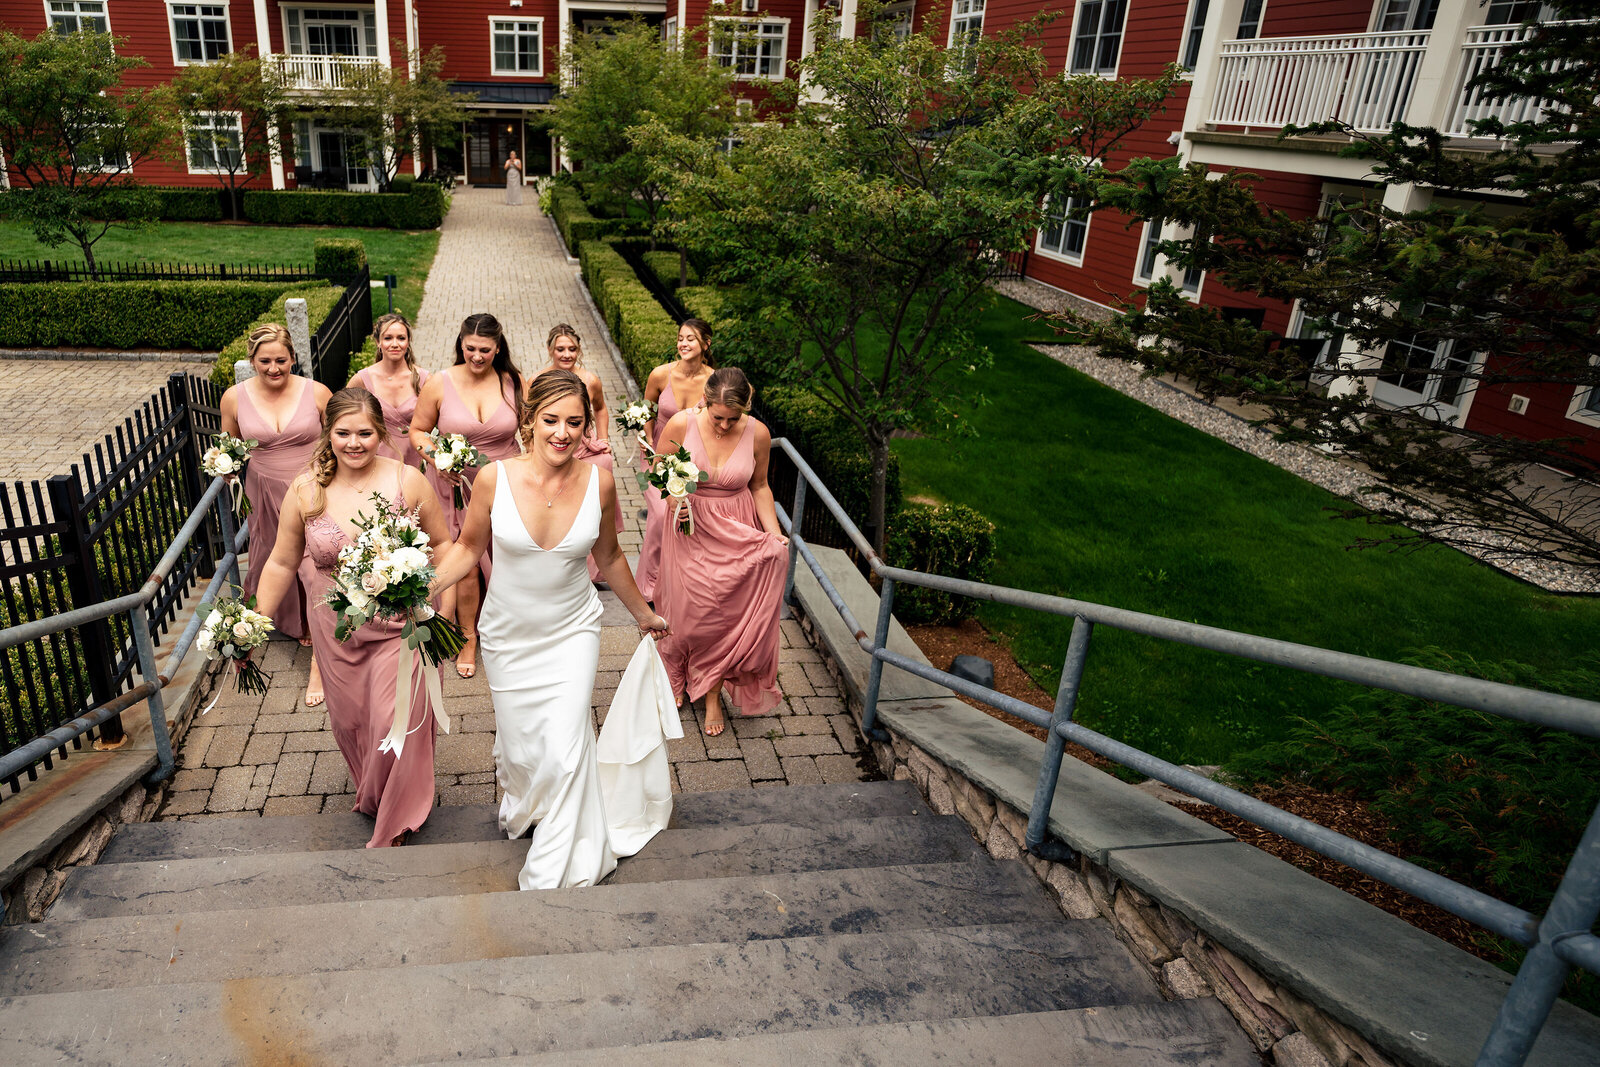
545,512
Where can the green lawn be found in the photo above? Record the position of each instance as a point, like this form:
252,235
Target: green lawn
406,255
1098,497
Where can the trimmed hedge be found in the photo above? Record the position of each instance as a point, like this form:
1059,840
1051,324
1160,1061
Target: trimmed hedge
360,361
645,334
178,315
193,205
422,207
575,222
664,265
319,299
948,539
338,257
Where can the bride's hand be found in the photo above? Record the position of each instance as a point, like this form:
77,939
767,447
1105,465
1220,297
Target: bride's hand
654,626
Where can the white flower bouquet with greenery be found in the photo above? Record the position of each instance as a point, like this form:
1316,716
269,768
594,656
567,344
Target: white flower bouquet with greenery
634,418
675,476
232,631
226,459
453,452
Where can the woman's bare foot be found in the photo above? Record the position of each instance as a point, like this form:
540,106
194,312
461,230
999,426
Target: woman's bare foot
715,722
314,695
467,658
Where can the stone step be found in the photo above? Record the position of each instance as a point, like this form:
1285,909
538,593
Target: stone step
230,883
489,1008
819,805
82,954
1191,1033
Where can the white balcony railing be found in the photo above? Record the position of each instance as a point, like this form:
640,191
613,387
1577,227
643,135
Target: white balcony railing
1483,49
1362,79
321,72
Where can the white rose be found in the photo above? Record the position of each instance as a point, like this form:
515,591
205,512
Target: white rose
214,619
677,486
374,582
358,599
224,464
444,461
241,630
204,642
691,473
409,560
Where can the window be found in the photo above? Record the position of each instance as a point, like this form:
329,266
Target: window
1066,229
71,16
101,149
199,32
1197,30
1398,16
669,32
966,22
898,17
330,31
215,143
1516,12
517,48
750,49
1149,248
1097,40
1250,20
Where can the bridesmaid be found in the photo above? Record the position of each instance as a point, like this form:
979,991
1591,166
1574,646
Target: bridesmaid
282,411
721,585
566,353
673,387
317,520
396,381
476,398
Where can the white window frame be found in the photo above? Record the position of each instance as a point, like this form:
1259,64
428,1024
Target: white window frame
123,165
1057,253
1099,7
669,32
188,146
365,20
961,14
1582,397
496,21
172,29
733,38
77,12
1188,37
1255,27
901,17
1151,234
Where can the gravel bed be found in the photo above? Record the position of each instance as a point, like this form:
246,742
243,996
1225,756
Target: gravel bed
1334,475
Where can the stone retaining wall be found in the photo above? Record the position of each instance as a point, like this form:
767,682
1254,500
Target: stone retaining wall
29,897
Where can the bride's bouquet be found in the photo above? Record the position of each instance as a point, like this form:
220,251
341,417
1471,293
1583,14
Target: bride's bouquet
225,459
232,631
634,418
675,475
385,573
453,452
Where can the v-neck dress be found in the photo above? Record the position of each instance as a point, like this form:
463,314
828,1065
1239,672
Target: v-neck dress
280,457
721,586
654,506
495,437
397,420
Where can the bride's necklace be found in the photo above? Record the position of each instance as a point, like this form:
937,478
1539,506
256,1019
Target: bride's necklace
550,501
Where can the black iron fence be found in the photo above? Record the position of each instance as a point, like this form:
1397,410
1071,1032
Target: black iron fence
343,332
18,271
92,535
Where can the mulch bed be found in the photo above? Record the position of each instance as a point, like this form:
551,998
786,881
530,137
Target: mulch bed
1337,811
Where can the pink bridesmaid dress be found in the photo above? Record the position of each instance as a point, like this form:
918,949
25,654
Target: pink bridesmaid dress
655,508
397,420
359,677
496,438
720,587
279,458
594,450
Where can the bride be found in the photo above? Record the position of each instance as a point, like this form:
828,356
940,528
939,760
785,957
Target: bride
546,512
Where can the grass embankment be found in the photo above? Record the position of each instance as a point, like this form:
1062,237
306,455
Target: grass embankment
1099,497
406,255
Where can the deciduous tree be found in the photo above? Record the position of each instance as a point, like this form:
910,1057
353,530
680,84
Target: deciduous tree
237,85
393,108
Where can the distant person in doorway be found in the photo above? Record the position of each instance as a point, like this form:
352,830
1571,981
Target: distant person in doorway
513,168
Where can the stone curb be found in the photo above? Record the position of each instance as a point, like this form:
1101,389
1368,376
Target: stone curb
81,356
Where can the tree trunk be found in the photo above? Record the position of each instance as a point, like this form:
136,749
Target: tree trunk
877,507
683,268
88,257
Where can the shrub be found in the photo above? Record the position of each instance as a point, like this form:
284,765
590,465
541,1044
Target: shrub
158,314
422,207
574,220
952,540
664,265
319,299
338,257
360,361
192,205
831,445
645,334
402,183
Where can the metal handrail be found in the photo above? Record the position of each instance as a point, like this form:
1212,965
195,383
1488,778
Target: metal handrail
136,607
1558,939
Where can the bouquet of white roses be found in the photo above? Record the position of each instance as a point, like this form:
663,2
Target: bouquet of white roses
226,458
453,452
676,476
232,631
634,418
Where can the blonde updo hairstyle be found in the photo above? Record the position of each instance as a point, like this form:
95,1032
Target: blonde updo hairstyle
324,464
271,333
558,331
728,386
547,387
383,323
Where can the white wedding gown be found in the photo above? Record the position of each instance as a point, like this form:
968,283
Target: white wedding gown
540,637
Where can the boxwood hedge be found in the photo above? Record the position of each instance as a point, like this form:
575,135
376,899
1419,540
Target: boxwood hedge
155,314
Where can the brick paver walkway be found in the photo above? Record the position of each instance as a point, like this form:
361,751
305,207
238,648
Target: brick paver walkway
270,755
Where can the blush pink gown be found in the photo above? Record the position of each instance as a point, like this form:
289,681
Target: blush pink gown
359,677
593,450
274,463
720,587
655,508
397,420
496,438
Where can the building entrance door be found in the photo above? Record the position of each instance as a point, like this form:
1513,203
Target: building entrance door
489,142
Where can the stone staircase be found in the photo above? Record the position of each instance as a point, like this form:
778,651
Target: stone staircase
824,924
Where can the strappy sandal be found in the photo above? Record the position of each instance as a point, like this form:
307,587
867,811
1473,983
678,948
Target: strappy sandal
468,670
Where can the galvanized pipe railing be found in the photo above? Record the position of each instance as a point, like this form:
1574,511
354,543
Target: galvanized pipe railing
136,607
1557,940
